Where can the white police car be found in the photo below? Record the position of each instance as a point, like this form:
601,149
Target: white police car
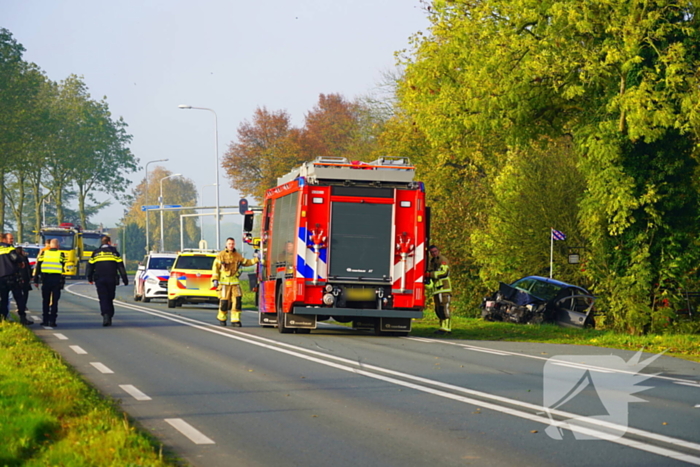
151,279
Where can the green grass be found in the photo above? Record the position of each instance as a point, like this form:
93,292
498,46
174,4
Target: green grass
49,416
686,346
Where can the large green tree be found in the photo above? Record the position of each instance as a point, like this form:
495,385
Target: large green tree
620,79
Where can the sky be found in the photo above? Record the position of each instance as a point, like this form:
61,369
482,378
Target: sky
149,56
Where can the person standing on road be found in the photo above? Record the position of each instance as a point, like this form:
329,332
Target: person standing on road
24,285
50,266
104,268
224,276
441,288
9,266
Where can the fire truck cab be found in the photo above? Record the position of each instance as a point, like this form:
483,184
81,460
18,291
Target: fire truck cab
346,241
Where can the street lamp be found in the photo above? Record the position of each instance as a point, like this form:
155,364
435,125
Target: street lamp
201,202
146,200
216,154
160,200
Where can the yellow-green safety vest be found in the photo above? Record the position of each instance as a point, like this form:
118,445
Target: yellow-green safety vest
51,262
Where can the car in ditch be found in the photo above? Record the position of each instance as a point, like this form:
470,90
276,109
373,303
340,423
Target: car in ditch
151,278
535,299
190,278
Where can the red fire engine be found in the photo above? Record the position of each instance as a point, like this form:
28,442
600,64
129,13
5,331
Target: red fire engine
346,241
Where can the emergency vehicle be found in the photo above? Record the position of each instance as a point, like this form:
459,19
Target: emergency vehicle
70,243
346,241
91,240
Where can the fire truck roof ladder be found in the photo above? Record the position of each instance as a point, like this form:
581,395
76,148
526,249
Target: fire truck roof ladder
385,170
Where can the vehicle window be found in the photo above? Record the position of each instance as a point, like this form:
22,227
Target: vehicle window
161,263
523,284
545,290
31,251
195,262
91,243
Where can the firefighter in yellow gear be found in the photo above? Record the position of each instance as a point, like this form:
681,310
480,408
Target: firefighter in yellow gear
441,288
224,276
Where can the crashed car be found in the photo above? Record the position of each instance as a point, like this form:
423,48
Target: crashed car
535,299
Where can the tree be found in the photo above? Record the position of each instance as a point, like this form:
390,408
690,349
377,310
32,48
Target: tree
267,148
620,79
176,190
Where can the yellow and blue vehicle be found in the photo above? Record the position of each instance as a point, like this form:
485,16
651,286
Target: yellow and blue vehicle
190,278
70,244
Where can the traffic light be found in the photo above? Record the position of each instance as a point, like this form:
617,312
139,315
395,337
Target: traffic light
243,206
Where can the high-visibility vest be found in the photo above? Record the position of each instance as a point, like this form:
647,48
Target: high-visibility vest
51,262
7,267
439,271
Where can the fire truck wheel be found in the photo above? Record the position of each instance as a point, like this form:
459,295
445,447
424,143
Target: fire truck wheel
280,315
303,331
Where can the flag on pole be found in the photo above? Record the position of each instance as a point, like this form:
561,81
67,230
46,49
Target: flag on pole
557,235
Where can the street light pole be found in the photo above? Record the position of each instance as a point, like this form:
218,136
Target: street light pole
201,202
146,200
160,200
216,150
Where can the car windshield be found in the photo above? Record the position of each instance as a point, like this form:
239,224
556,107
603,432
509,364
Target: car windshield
162,263
31,251
195,262
91,243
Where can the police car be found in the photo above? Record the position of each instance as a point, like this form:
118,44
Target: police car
151,279
190,278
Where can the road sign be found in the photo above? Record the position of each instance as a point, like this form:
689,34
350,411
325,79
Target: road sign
153,206
170,206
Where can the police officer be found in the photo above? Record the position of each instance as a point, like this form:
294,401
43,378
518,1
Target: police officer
50,266
9,265
441,287
23,286
224,276
104,268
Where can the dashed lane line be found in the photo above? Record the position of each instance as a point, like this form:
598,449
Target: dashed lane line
60,336
77,349
196,436
102,368
134,392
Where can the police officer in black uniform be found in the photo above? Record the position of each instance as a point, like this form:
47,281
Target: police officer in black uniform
9,266
104,268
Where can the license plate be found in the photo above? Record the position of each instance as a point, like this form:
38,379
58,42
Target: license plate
360,295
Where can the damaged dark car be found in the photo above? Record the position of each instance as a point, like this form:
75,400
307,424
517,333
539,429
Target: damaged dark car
535,299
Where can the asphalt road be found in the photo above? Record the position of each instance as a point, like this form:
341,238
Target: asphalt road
251,396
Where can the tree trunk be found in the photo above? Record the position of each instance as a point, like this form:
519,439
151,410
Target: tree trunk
2,199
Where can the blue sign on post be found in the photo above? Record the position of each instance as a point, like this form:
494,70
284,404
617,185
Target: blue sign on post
152,206
170,206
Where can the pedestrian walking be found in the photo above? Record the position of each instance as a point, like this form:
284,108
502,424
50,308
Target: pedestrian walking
441,288
9,266
49,269
224,276
103,269
23,286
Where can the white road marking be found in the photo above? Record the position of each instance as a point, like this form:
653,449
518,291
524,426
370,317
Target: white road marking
101,367
690,385
60,336
135,393
582,367
48,327
494,352
77,349
571,422
196,436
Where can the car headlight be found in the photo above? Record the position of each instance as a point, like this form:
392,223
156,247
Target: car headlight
152,281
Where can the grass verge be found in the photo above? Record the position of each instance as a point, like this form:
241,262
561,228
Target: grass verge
686,346
50,416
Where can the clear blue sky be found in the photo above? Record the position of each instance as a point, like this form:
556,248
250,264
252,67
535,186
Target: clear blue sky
148,56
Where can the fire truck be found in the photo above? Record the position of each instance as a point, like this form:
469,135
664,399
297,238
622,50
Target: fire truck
70,243
343,240
91,240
